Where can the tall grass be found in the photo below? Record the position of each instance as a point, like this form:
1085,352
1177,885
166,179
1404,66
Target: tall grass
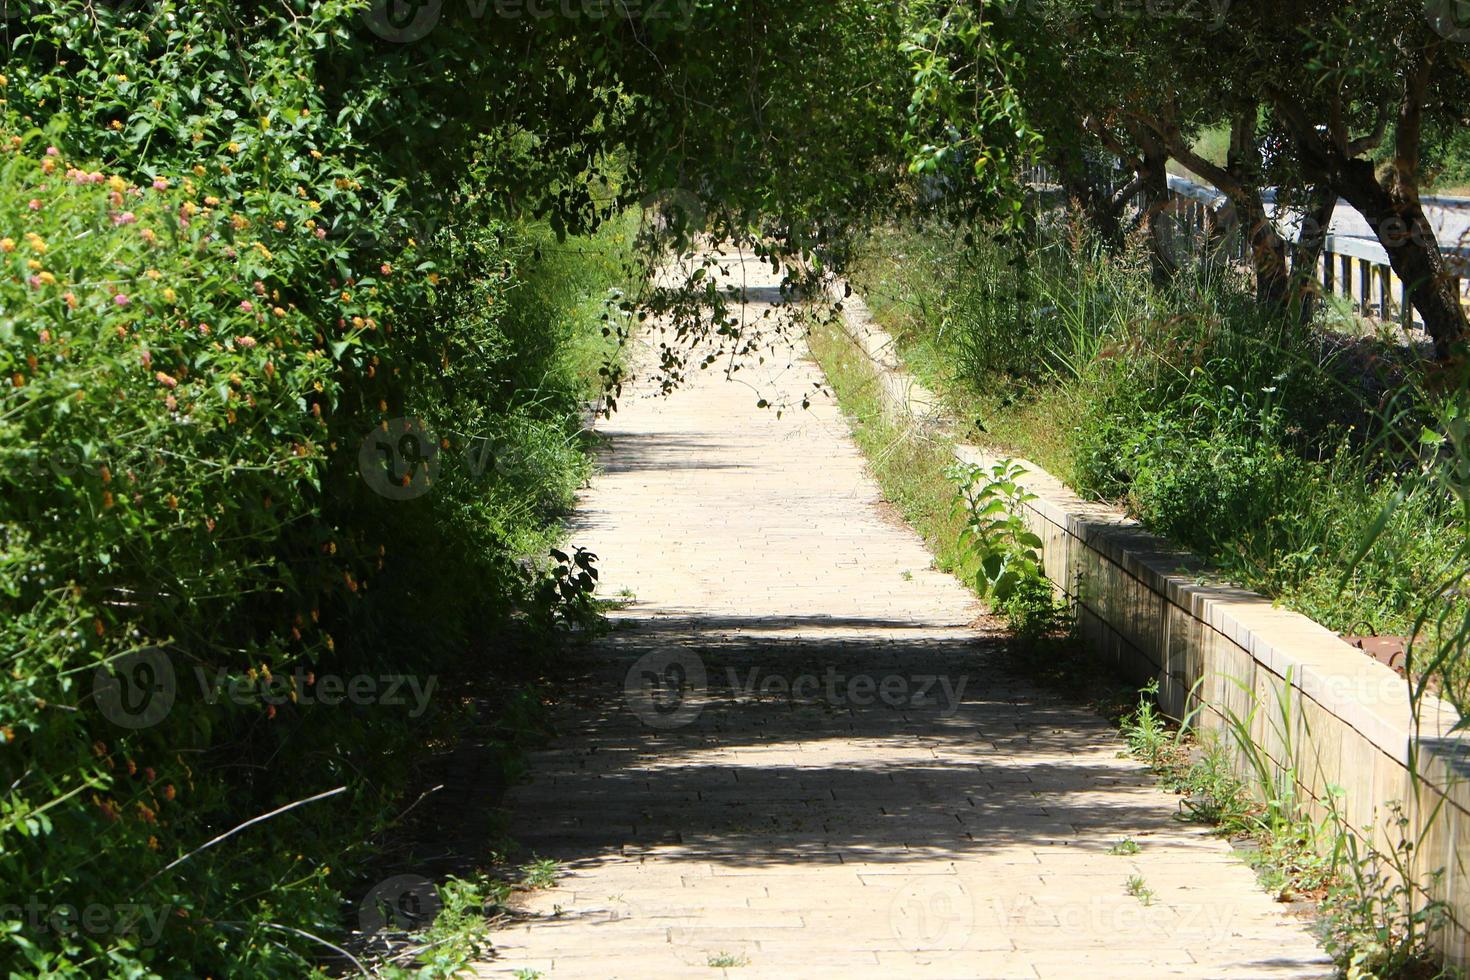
1275,449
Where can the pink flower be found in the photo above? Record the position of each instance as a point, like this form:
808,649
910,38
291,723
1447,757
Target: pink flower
121,299
167,380
35,204
159,184
246,305
321,232
245,342
126,218
172,403
147,358
52,151
35,282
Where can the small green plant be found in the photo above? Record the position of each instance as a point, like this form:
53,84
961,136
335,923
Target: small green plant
541,873
1139,889
1148,734
1124,847
526,973
449,944
1007,554
723,959
1380,914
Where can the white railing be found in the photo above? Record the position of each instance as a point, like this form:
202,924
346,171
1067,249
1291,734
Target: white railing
1354,268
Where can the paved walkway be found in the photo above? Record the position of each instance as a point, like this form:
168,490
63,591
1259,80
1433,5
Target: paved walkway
797,756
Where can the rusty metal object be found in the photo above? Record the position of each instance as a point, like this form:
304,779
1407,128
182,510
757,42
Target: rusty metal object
1389,650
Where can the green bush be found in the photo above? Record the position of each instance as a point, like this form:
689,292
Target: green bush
1272,448
216,292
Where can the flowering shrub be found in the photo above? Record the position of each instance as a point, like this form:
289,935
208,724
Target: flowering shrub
208,308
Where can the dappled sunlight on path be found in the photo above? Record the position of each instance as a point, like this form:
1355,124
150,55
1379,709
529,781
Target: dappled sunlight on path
797,755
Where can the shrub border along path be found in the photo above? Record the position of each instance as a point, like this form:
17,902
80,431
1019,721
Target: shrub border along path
1333,729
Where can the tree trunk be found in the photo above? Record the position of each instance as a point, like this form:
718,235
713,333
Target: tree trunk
1307,252
1413,252
1392,209
1082,184
1153,174
1239,180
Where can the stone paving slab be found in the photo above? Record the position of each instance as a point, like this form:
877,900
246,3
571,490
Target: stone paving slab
799,752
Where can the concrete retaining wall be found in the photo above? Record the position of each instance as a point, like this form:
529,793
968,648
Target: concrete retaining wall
1323,713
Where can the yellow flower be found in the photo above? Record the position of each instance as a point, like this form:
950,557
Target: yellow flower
199,170
33,265
314,205
316,154
116,183
233,147
47,278
265,253
239,221
117,125
211,200
36,242
4,81
169,295
7,244
153,274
